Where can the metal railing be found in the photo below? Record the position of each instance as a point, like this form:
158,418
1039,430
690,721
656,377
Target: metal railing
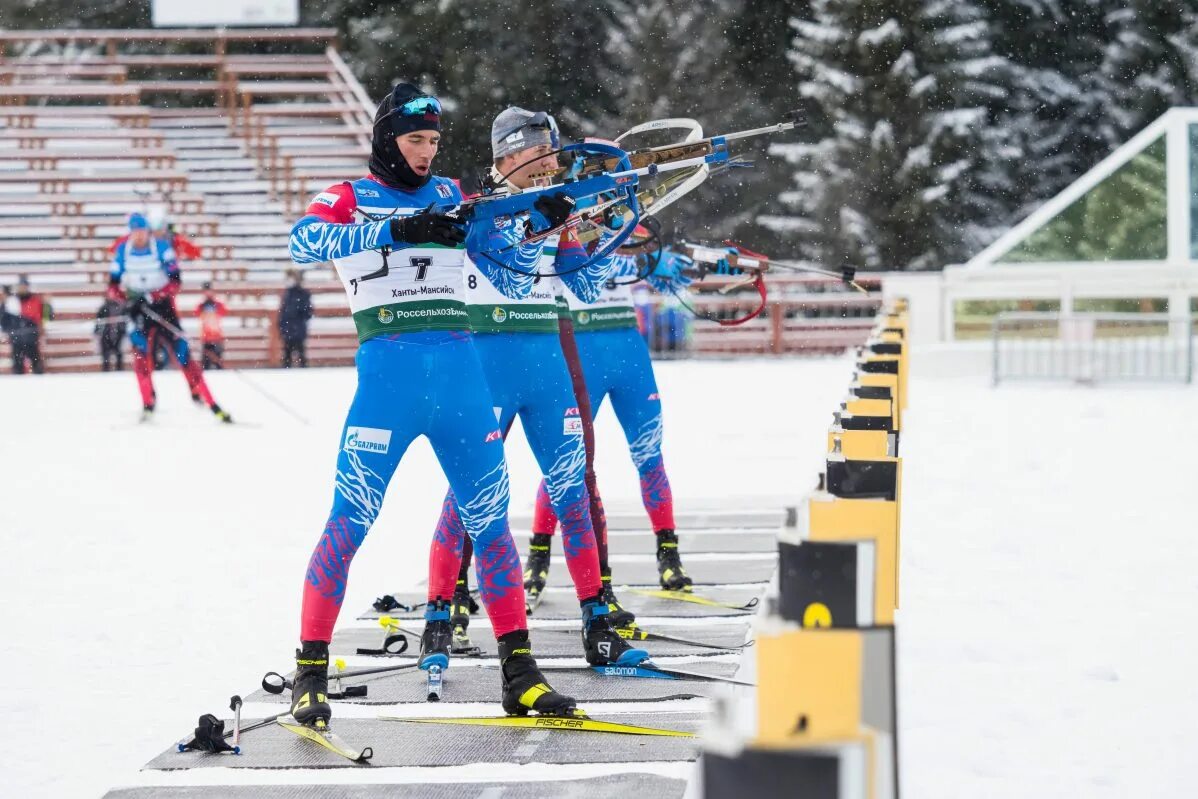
1092,347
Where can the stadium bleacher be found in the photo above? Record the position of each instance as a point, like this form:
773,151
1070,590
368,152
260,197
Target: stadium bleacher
90,131
232,142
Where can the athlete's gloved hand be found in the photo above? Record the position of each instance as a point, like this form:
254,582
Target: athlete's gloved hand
722,267
428,227
667,274
556,208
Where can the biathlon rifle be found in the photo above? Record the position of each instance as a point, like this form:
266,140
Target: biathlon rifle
751,264
753,267
713,149
695,154
616,187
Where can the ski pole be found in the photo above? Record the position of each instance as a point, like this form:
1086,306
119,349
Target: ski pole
241,374
275,683
235,706
155,316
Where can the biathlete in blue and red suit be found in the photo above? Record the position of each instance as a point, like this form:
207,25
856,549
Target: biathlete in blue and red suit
145,276
401,263
517,341
616,366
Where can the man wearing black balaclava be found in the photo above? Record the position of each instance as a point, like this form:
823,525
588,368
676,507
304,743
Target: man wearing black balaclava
387,161
401,262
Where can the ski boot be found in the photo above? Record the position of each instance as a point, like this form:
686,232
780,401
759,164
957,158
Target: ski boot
147,412
196,398
310,690
221,415
617,615
434,646
460,610
669,565
536,570
603,645
524,687
437,636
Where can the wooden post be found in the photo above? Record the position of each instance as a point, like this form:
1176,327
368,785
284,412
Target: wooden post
274,346
777,327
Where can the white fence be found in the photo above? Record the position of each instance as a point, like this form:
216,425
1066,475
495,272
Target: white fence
1092,348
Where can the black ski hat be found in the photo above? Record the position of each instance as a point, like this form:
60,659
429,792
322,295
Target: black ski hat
390,120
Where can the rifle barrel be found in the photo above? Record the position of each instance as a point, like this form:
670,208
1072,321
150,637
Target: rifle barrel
744,134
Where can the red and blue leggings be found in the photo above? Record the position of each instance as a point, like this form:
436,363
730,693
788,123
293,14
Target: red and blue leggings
414,384
616,365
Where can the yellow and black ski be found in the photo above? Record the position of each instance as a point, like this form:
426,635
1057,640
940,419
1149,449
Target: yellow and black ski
321,734
575,724
687,596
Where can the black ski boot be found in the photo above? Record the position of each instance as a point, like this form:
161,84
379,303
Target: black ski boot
536,570
617,615
221,414
437,636
310,691
603,645
460,610
524,687
669,565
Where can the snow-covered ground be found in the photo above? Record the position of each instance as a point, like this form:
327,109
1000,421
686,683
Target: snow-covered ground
152,571
1046,638
1050,592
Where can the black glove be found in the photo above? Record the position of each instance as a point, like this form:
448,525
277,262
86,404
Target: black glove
428,227
556,207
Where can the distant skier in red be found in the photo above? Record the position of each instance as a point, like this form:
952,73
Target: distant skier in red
145,276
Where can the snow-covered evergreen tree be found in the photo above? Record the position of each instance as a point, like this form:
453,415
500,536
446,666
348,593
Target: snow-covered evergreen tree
914,173
1056,112
675,58
1150,64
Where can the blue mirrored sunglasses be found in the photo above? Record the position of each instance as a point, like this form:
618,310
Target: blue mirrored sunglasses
420,106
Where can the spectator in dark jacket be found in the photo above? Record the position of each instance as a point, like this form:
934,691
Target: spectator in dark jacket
111,328
295,309
23,329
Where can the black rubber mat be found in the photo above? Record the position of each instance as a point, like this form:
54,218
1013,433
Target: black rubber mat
406,744
645,543
562,604
697,520
556,642
641,785
467,681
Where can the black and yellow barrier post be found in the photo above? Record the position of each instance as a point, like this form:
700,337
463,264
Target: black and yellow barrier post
826,718
871,528
861,443
884,364
879,387
830,688
826,711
